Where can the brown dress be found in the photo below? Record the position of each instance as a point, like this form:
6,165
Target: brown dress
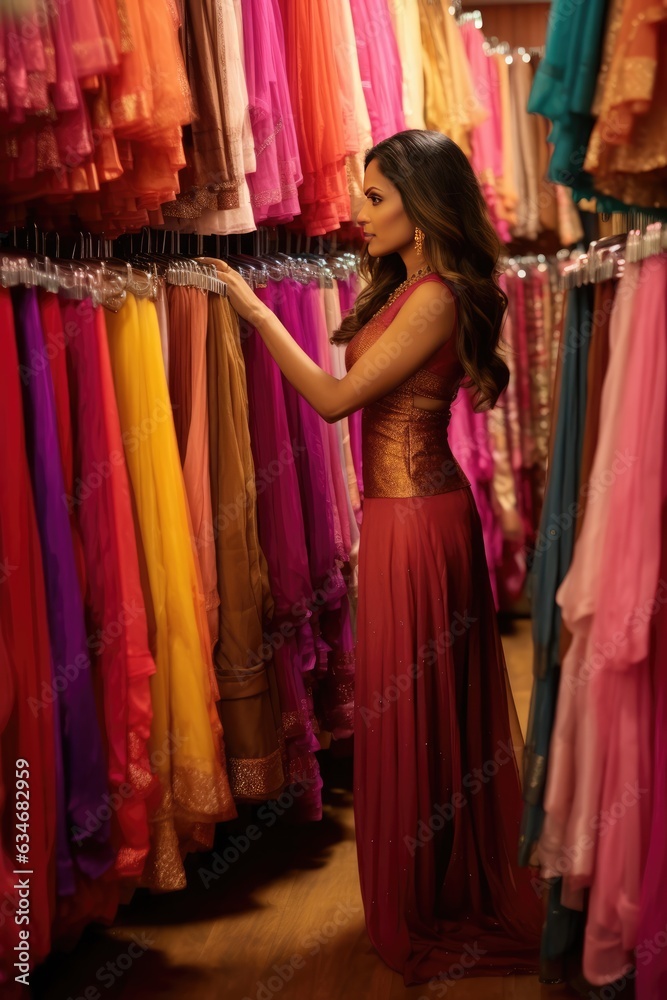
248,696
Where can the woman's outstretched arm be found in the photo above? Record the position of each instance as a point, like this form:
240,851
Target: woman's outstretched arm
422,325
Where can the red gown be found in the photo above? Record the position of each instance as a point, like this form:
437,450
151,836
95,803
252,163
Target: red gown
26,694
437,796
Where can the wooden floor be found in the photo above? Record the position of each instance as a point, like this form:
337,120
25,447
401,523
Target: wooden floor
284,921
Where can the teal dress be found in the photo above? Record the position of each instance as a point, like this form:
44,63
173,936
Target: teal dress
553,555
563,91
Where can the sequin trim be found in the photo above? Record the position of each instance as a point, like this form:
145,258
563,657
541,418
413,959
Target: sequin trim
255,778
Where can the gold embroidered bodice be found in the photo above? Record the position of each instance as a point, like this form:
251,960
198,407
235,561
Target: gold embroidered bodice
405,450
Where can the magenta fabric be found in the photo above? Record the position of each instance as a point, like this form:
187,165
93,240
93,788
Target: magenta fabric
82,782
283,540
469,438
273,186
319,474
380,66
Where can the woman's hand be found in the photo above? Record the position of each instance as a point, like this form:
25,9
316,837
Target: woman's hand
239,292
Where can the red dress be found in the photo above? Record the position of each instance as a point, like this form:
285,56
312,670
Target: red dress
437,797
26,708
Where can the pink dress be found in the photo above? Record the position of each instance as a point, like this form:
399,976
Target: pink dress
273,186
486,137
597,799
469,435
651,954
380,66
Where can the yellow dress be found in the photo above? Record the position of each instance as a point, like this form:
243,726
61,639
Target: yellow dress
451,105
509,197
186,744
405,18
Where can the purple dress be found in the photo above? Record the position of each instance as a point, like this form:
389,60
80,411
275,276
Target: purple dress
319,469
273,186
283,540
80,763
347,291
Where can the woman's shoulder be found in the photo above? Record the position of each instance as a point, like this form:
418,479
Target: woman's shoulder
427,287
430,292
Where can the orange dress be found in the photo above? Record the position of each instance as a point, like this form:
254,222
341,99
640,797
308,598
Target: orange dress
318,115
627,149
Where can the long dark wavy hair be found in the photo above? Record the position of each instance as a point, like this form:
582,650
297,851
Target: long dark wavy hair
442,197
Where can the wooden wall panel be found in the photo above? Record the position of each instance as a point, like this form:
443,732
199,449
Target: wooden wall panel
517,23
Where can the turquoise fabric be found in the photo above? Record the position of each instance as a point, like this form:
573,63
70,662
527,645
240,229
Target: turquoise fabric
553,555
563,91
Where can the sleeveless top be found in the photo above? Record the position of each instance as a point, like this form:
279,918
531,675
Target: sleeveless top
405,450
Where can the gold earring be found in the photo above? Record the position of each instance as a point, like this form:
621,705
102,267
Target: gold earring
419,242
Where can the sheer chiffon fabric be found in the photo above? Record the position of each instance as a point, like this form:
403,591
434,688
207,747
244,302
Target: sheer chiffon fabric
186,734
216,197
101,110
486,139
380,66
601,749
405,18
245,676
187,325
437,789
279,502
314,464
115,607
356,120
273,185
437,793
318,116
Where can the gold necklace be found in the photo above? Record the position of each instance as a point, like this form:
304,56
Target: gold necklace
404,284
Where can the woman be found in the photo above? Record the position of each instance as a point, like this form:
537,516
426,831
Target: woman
437,796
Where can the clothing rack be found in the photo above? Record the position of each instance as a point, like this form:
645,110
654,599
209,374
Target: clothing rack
605,259
468,15
493,45
119,268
